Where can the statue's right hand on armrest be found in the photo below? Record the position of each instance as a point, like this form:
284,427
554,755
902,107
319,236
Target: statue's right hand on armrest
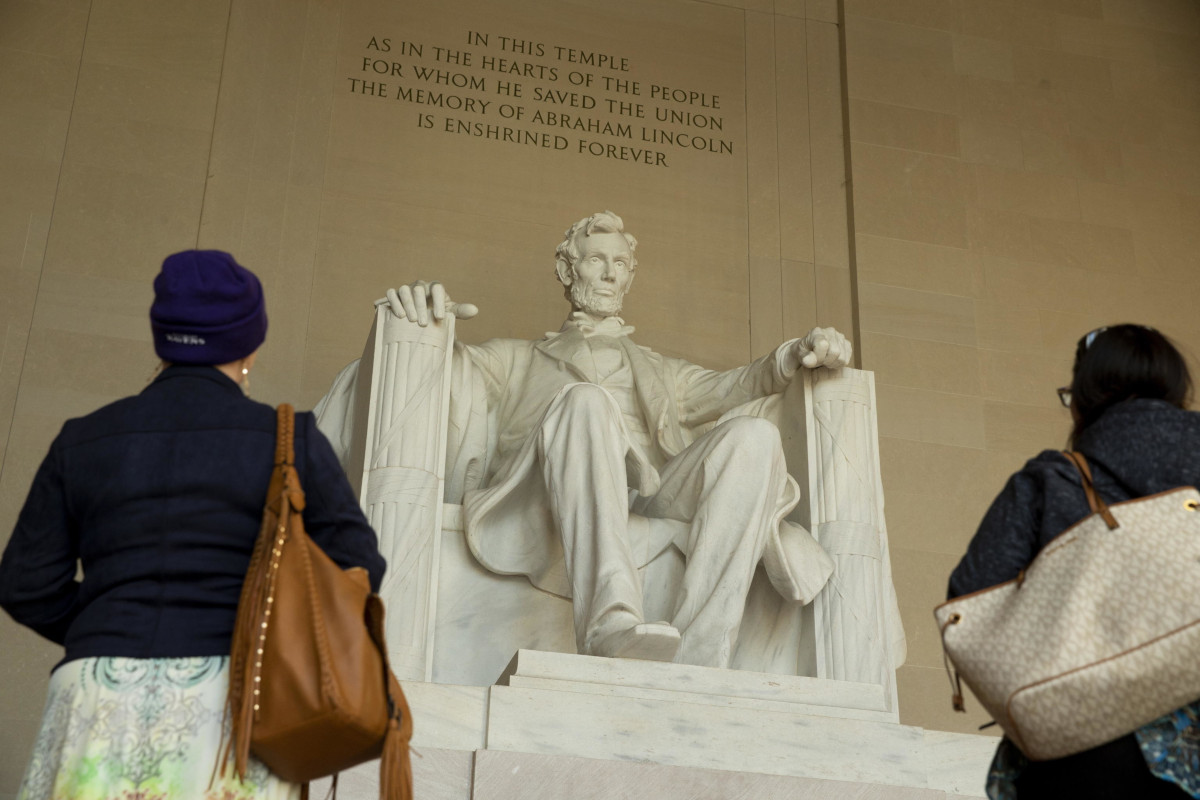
420,299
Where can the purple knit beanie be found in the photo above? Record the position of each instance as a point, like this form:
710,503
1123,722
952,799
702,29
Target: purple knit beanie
207,309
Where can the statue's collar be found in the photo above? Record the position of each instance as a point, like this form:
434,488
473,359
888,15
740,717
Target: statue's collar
588,325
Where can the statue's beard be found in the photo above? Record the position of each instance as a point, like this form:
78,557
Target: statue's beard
585,298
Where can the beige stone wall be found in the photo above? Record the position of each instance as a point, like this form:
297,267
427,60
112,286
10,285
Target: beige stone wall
105,131
1022,173
130,129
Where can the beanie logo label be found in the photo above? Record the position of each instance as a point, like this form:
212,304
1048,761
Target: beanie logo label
184,338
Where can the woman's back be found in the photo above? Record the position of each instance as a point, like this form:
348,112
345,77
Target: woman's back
161,496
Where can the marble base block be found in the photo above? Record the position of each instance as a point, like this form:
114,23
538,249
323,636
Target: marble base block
437,775
652,680
691,734
568,726
508,776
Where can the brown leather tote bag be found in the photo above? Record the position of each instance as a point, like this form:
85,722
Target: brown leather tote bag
310,689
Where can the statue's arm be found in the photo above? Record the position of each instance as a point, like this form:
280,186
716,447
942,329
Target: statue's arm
704,395
420,302
335,412
494,359
424,301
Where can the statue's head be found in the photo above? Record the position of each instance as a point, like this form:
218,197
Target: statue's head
595,264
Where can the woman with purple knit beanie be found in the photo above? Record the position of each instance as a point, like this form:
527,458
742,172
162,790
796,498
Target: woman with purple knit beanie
135,538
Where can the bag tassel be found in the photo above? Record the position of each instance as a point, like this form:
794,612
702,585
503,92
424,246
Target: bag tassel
956,692
395,764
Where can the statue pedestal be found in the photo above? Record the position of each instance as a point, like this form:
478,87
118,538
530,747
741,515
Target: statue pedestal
558,725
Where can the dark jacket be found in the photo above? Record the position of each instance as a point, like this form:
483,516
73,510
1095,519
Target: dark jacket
159,497
1137,448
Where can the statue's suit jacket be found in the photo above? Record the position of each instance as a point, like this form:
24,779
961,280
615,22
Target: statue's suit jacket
500,392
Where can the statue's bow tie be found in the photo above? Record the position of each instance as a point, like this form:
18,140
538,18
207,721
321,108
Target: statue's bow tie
606,326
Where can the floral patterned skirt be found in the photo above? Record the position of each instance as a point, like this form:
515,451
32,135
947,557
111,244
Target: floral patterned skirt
140,729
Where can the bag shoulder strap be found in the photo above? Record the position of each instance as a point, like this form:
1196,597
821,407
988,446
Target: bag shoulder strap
285,456
285,435
1095,501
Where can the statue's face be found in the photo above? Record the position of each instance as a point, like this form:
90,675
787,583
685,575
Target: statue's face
602,274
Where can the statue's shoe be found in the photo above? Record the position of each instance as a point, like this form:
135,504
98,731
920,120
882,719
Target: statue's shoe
648,641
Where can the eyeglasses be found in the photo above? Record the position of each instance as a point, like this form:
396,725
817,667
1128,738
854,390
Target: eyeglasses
1064,395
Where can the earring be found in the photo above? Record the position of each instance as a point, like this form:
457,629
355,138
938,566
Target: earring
245,382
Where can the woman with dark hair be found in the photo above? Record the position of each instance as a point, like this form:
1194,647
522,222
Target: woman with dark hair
1128,397
159,498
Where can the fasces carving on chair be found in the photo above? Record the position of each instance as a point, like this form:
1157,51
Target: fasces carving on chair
580,458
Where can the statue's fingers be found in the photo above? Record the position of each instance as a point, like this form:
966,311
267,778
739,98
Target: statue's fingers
840,350
421,302
833,353
393,301
821,351
409,304
813,337
464,310
437,300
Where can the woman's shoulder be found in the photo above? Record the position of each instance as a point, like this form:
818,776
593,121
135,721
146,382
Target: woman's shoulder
1050,465
1047,480
162,413
98,422
265,417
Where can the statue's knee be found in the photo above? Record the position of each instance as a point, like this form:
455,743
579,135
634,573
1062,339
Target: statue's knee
587,396
585,400
754,437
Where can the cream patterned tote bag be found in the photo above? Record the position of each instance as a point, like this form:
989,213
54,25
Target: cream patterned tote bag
1097,637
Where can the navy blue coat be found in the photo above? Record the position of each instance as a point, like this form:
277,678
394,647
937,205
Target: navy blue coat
159,497
1137,448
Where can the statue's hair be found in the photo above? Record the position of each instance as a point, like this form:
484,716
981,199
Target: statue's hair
567,253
